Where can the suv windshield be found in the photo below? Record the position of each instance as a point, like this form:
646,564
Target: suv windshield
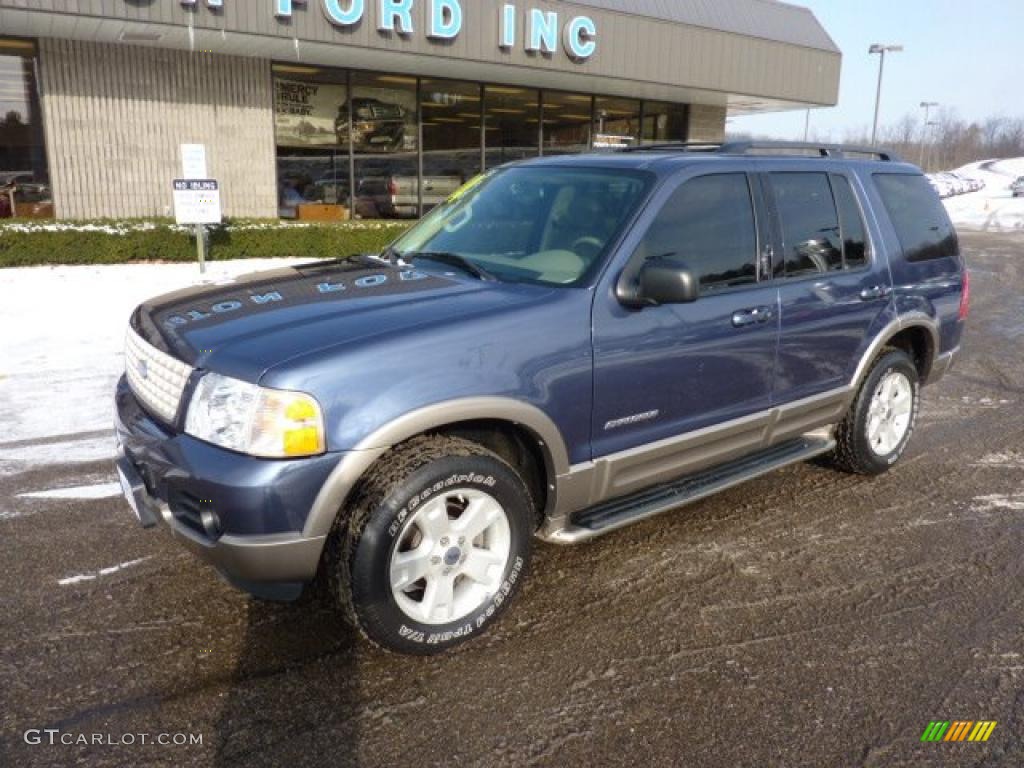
545,225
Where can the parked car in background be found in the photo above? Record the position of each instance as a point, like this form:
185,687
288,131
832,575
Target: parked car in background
397,196
22,196
1017,187
377,126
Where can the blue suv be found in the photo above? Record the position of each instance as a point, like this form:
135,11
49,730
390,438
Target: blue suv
567,346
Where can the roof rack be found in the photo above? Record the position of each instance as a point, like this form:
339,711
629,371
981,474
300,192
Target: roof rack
788,148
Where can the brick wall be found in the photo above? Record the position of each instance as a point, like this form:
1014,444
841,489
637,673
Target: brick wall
115,116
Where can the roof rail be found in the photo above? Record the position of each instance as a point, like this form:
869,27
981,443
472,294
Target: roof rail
681,146
798,148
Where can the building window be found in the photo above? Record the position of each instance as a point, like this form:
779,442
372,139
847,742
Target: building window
24,175
616,123
451,137
385,144
512,118
664,122
567,119
311,124
349,142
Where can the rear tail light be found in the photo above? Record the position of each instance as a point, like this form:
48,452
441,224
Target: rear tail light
392,187
965,297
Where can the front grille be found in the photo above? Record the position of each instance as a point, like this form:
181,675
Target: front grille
156,378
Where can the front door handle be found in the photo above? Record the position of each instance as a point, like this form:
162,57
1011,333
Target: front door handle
744,317
874,293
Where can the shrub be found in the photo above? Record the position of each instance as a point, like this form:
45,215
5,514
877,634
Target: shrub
27,243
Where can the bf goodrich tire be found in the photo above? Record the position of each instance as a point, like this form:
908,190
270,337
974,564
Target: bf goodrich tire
435,545
877,428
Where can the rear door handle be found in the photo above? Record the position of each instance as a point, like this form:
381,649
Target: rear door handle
874,293
744,317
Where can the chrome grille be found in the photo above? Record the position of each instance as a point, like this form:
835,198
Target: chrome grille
156,378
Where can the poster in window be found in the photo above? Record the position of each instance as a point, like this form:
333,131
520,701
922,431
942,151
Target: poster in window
310,114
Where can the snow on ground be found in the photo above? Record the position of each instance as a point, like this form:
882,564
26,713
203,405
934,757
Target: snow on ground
61,352
992,208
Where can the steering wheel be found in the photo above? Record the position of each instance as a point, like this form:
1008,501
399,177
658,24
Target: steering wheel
588,242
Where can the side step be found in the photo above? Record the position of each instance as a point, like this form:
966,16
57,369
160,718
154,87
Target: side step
610,515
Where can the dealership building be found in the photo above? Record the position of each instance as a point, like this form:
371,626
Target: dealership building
316,109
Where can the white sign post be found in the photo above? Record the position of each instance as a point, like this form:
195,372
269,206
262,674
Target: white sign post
196,198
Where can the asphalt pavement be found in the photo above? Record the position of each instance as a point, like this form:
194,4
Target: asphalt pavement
808,618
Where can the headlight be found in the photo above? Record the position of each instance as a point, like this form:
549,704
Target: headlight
261,422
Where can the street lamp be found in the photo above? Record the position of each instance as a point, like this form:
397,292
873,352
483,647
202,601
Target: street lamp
881,50
926,105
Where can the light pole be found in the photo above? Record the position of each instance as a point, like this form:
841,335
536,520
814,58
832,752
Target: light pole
807,125
926,105
928,154
881,50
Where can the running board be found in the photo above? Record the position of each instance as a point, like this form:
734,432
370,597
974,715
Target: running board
614,514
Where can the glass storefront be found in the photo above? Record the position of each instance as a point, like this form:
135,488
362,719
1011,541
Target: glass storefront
511,120
24,176
616,123
370,145
567,119
663,122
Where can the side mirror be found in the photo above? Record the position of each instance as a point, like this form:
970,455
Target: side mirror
660,282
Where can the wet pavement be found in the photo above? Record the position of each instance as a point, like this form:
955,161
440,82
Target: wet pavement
808,618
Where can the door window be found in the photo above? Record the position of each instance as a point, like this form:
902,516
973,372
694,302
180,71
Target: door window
855,238
811,238
707,226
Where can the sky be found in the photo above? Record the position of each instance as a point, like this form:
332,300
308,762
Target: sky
968,55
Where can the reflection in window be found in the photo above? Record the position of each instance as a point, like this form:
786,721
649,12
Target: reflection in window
664,122
707,226
616,123
566,123
529,224
24,178
511,122
311,128
384,127
451,137
920,219
810,224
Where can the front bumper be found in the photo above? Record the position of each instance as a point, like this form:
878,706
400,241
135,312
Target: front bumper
241,514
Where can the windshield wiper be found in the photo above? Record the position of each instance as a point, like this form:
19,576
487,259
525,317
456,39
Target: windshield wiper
453,260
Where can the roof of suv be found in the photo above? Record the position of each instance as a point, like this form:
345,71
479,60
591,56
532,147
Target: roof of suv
667,158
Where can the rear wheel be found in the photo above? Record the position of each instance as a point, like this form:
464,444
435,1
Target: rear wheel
877,428
437,543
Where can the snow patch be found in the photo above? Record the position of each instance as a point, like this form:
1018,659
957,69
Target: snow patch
996,501
93,575
61,350
1005,460
100,491
993,208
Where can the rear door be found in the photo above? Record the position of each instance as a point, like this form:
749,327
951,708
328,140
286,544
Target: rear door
832,290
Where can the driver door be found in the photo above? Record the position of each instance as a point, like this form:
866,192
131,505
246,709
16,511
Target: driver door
680,386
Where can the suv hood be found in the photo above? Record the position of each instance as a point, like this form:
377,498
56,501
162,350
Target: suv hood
242,326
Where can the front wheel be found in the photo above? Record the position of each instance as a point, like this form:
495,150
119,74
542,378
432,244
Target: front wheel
877,428
436,545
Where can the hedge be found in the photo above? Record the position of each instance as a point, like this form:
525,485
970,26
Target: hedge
28,243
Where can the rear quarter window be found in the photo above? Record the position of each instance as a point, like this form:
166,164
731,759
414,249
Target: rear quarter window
916,213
